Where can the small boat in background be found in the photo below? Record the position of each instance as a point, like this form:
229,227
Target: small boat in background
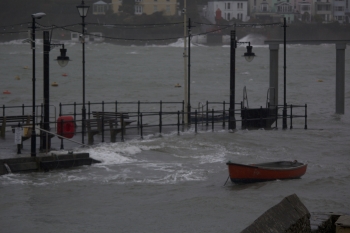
240,173
54,84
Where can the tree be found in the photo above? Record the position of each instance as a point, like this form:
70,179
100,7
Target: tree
128,7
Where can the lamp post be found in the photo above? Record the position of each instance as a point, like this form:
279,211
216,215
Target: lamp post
62,61
284,75
83,10
184,11
33,136
189,73
249,56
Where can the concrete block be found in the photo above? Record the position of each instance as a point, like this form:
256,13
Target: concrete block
343,224
290,215
23,167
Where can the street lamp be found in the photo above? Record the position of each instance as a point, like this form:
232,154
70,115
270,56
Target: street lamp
62,61
249,56
83,10
33,136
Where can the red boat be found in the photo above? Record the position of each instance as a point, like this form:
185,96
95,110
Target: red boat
240,173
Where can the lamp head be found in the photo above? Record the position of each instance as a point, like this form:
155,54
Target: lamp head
249,55
83,9
63,59
38,15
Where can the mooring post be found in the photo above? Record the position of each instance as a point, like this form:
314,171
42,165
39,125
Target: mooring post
61,134
274,75
340,78
223,116
138,113
141,127
178,122
195,121
291,116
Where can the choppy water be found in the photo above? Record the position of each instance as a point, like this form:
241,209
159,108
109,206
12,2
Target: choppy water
175,183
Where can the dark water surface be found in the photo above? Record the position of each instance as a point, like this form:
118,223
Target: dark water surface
175,183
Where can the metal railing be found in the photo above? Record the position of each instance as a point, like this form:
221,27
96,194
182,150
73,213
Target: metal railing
156,116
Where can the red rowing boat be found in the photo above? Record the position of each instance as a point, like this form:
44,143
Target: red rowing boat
240,173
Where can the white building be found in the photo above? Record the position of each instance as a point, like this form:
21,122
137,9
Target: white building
339,10
227,9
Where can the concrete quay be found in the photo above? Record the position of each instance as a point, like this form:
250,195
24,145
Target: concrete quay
13,162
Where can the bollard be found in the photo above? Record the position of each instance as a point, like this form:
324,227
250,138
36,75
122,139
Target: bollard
212,119
141,126
160,122
18,137
195,121
291,116
122,125
178,122
62,134
305,116
223,116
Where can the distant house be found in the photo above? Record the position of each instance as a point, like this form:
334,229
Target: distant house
339,10
323,9
227,9
304,10
89,37
148,7
100,8
116,4
264,10
285,9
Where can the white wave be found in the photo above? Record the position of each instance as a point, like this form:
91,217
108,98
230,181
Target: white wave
117,153
180,44
112,154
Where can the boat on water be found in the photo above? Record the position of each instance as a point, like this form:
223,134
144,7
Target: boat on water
280,170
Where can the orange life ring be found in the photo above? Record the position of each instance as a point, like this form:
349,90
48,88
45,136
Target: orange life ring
66,126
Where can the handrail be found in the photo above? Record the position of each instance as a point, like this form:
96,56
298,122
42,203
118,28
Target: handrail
61,136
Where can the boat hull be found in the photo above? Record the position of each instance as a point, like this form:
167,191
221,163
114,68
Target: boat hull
240,173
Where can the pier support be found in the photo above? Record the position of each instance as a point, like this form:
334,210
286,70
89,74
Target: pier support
340,78
273,75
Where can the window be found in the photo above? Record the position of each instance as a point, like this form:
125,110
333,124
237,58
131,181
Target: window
339,8
228,16
305,7
228,5
340,18
254,2
155,8
284,8
138,10
323,7
168,9
264,7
